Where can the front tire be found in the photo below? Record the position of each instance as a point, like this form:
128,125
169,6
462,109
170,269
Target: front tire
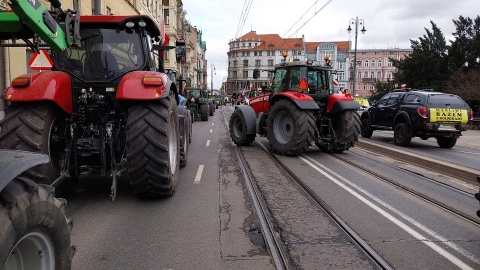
36,127
34,231
238,129
402,135
153,148
366,129
446,142
290,130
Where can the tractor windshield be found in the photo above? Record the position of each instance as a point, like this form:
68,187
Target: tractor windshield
318,80
105,54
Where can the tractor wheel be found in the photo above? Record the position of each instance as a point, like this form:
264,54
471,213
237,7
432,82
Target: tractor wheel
211,109
184,138
153,148
402,135
446,142
34,231
366,130
204,112
238,129
290,130
36,127
346,125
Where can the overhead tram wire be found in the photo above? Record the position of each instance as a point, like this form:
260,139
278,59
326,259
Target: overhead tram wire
315,13
243,17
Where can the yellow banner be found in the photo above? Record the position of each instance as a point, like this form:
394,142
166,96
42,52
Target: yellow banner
448,115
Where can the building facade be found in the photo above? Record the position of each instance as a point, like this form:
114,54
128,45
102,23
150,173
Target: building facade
263,51
372,66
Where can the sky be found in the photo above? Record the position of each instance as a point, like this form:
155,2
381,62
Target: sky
389,24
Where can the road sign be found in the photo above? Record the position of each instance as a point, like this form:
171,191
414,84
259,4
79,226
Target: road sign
41,61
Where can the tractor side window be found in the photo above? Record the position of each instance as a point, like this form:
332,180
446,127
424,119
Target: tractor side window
295,77
279,80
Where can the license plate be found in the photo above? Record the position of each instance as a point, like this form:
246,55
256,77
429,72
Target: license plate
446,127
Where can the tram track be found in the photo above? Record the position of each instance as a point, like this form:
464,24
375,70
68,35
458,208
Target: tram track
397,184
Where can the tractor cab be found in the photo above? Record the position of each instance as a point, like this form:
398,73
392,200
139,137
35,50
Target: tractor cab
109,49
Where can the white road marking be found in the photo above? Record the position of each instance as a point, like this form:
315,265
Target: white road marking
447,255
208,143
211,130
213,124
199,175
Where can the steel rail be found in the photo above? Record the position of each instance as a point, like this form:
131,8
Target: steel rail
362,244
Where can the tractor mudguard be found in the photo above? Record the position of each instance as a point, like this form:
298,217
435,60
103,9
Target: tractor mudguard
15,162
143,85
249,116
262,123
49,85
302,101
341,102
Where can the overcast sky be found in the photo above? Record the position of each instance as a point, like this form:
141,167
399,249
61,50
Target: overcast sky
388,23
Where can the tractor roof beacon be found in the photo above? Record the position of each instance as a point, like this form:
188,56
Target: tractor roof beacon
103,108
301,108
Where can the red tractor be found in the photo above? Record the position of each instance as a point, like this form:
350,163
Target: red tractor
106,107
301,108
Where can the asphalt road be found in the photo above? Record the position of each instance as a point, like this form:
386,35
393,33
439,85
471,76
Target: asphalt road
209,223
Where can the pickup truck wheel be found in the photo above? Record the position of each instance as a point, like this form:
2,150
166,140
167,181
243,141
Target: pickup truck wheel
34,231
402,135
446,142
366,130
290,131
36,127
238,129
153,148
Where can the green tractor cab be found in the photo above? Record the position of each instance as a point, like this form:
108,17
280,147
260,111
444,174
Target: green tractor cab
197,103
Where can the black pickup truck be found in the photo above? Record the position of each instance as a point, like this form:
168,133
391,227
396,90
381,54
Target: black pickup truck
418,113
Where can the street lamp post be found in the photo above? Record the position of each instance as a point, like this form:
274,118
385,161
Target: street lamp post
355,22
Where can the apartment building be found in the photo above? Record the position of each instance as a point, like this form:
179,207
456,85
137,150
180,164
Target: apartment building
373,66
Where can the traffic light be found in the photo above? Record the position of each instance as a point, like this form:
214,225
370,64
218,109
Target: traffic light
256,73
180,51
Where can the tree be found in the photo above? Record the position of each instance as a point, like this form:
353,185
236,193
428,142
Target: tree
465,59
382,88
427,65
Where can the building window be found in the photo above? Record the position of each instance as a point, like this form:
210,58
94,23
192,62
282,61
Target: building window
365,87
365,63
372,75
359,75
257,63
248,53
273,53
245,63
389,75
379,63
255,53
366,74
166,14
270,62
235,63
245,74
390,64
243,53
250,44
373,63
235,74
379,75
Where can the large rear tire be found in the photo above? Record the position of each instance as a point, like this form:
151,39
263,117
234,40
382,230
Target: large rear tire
34,231
290,130
36,127
346,125
204,112
153,148
238,129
